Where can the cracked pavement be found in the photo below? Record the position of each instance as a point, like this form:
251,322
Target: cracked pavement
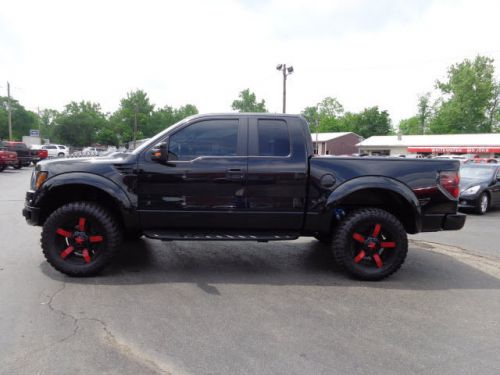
241,308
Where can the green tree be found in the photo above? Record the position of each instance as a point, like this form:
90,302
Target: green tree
167,116
79,123
372,121
424,113
22,119
468,98
247,102
410,126
123,120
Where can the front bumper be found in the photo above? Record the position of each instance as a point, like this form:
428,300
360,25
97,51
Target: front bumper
434,223
468,202
8,162
32,214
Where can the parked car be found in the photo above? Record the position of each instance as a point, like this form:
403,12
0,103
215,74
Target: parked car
37,153
24,157
479,187
56,151
243,177
7,158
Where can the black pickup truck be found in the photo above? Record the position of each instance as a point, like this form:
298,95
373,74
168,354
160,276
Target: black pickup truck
244,177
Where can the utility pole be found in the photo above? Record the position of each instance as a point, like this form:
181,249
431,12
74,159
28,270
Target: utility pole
135,123
286,72
9,111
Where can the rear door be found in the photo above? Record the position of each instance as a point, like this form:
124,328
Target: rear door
277,173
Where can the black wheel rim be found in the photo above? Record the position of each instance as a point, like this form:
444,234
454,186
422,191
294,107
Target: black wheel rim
80,240
373,247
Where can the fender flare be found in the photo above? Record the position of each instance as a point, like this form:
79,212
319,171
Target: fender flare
381,183
104,184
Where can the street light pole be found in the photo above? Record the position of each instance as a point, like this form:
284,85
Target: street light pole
286,72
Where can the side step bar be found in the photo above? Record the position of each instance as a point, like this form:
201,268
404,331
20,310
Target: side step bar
170,235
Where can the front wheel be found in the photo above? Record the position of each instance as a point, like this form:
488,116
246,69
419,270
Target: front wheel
483,204
80,238
370,244
18,166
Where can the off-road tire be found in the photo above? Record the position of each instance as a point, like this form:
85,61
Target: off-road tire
101,223
346,249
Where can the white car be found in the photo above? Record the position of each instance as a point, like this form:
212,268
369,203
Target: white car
56,151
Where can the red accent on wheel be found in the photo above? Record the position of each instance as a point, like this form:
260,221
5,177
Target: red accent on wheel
360,256
86,255
66,252
79,240
94,239
371,245
81,224
387,245
378,260
63,232
377,229
358,237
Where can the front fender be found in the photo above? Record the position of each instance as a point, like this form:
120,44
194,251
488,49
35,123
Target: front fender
115,192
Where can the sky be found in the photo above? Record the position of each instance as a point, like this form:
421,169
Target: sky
363,52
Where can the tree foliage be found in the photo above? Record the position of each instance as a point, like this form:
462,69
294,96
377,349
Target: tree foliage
247,102
22,119
469,98
78,124
329,116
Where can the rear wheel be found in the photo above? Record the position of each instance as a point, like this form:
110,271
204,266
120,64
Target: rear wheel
80,239
370,244
483,204
2,167
61,154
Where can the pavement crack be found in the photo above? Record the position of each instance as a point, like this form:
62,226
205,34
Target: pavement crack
61,312
127,350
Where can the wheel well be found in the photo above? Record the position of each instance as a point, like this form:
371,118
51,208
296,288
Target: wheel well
385,199
61,195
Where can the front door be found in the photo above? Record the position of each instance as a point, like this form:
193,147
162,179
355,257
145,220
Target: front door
202,185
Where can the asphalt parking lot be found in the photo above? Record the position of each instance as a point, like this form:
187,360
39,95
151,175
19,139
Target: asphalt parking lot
245,308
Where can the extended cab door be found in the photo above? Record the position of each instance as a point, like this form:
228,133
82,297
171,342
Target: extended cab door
202,185
277,173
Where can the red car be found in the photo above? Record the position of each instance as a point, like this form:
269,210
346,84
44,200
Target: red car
7,157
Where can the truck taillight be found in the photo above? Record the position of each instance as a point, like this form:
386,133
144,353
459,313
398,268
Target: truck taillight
450,181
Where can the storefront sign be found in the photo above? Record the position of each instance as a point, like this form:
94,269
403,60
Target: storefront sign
455,150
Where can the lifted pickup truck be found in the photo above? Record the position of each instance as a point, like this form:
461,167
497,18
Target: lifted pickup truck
244,177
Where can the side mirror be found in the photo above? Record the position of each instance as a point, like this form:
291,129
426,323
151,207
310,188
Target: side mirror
160,154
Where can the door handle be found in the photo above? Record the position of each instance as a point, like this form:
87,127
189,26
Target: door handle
234,174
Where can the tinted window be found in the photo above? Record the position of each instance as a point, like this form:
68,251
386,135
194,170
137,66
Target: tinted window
273,138
205,138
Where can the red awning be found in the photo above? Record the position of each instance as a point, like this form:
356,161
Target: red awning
455,150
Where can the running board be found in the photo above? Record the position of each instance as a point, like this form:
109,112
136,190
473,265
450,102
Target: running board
170,235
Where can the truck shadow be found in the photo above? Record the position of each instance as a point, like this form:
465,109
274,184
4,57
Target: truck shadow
306,263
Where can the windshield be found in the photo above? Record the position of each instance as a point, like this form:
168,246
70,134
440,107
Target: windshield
477,173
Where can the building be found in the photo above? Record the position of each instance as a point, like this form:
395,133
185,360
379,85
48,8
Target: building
335,143
482,145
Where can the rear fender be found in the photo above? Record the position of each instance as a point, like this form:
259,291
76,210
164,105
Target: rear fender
341,193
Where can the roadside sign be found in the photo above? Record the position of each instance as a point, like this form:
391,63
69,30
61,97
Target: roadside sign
34,133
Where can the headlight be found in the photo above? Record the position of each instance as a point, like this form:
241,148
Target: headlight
472,190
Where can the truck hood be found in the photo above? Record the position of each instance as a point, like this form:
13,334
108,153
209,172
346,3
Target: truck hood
99,165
